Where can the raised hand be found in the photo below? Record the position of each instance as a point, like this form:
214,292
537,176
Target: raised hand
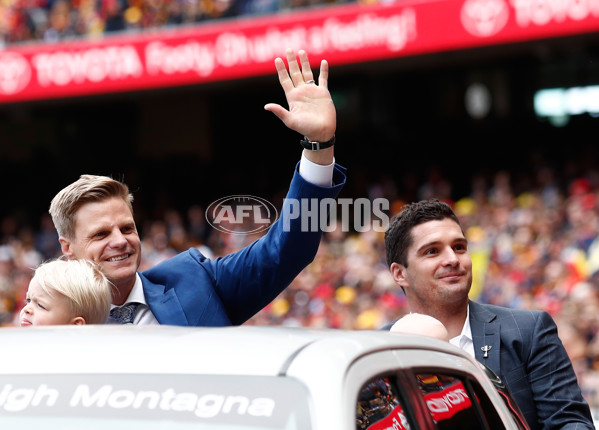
311,110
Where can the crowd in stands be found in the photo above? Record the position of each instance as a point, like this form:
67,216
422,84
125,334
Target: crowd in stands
55,20
535,249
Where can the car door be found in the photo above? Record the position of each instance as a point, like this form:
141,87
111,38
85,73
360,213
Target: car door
423,389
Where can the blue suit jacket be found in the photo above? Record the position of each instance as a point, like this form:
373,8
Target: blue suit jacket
192,290
531,360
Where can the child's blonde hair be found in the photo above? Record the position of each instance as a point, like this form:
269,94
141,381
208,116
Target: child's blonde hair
82,282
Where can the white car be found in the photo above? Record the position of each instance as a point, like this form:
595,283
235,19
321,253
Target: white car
241,378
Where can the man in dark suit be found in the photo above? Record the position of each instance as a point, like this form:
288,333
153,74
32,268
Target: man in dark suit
94,220
427,253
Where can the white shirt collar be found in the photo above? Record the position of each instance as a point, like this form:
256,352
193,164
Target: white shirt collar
143,315
137,293
464,339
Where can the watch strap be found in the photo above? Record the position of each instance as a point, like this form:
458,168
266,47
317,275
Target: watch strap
317,146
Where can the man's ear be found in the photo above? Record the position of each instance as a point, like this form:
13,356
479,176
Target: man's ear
398,272
65,246
78,321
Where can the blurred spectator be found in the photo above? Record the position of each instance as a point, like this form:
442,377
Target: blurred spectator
155,245
55,20
61,22
113,13
24,252
46,238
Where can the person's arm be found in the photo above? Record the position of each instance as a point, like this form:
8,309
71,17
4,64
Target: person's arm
249,279
311,110
231,289
555,388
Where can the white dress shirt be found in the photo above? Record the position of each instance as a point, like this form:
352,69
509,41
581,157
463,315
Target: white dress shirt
143,314
316,174
464,339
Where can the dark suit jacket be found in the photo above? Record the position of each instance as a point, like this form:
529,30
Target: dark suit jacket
528,356
531,360
192,290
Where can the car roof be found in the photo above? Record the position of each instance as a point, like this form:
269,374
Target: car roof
239,350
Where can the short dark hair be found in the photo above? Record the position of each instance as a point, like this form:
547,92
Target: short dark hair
398,237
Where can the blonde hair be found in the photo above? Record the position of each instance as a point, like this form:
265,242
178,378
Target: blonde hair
81,281
87,189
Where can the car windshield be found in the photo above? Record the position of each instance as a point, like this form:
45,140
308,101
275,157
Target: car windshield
152,402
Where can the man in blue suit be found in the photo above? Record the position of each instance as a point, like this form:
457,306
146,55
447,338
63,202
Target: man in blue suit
94,220
427,253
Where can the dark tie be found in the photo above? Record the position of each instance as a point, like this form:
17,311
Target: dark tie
124,314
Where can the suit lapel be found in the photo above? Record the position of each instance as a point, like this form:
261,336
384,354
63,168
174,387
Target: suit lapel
485,336
165,305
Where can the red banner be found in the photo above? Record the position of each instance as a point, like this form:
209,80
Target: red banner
446,403
247,47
